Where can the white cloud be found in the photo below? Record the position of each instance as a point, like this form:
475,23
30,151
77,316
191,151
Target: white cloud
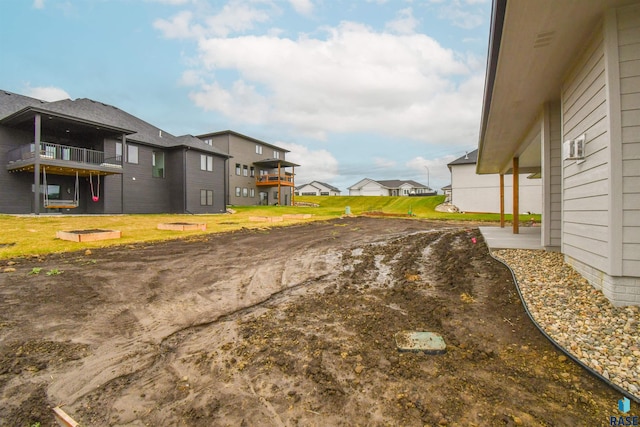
237,16
38,4
405,23
384,163
461,15
303,7
46,93
315,165
354,80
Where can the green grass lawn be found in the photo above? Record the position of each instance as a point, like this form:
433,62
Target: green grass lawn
31,235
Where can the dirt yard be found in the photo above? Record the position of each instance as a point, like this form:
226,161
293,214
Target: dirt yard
283,327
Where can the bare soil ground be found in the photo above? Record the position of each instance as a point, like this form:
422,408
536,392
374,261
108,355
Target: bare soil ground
283,327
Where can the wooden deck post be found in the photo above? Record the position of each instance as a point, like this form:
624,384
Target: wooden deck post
279,203
293,181
516,196
501,200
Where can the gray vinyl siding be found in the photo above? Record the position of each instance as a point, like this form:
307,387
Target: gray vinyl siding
243,152
552,175
198,179
175,163
628,20
16,187
145,194
585,185
112,184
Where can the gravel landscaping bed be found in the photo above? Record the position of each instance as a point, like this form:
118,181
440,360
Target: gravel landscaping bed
579,317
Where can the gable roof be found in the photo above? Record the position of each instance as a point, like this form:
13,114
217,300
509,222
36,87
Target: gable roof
11,102
397,183
389,183
470,158
311,184
330,187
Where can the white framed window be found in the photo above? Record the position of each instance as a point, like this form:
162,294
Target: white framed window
206,163
252,172
245,170
208,141
252,192
157,164
206,197
119,151
245,192
258,149
238,169
276,154
238,191
132,154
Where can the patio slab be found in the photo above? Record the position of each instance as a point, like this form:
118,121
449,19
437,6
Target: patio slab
503,238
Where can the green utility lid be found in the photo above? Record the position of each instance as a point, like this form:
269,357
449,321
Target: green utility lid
428,342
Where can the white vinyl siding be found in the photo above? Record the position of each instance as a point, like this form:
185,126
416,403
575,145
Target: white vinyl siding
629,57
585,185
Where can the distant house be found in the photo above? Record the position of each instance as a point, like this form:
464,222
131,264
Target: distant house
471,192
446,190
393,187
317,188
86,157
257,173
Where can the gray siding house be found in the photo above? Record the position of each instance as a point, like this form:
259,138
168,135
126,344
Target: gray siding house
562,99
95,158
257,172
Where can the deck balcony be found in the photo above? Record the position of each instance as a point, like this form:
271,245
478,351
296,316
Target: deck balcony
63,159
272,180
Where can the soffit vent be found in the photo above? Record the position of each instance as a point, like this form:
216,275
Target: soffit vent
544,39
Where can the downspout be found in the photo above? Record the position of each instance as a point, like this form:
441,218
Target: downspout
184,179
227,172
36,164
124,141
516,195
501,200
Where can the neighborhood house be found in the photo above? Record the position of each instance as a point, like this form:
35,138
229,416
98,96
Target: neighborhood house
393,187
86,157
317,188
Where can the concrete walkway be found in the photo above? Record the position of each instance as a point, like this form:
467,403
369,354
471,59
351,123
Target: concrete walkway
503,238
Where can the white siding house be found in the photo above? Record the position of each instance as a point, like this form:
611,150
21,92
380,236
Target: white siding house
393,187
560,73
471,192
317,188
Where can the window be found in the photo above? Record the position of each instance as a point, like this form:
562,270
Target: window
245,192
208,141
252,192
206,197
252,171
238,191
258,149
157,164
238,169
324,193
276,154
245,170
206,163
132,154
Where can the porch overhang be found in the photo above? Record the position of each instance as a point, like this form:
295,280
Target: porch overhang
54,122
274,163
531,47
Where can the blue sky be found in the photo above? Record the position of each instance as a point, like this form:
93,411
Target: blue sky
383,89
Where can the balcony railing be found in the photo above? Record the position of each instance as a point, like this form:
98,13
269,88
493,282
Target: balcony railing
49,151
275,179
